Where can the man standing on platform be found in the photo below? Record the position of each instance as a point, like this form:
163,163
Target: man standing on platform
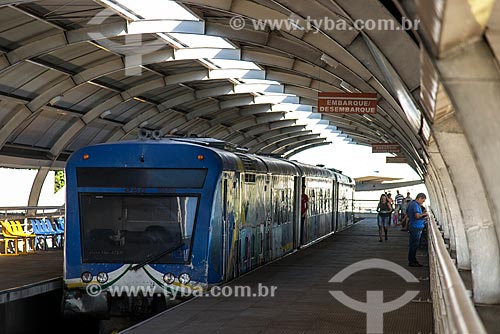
415,227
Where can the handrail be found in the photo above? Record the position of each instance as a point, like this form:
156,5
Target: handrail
21,212
24,208
365,205
454,310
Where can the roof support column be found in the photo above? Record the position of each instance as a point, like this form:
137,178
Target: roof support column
36,188
477,218
453,34
433,186
449,207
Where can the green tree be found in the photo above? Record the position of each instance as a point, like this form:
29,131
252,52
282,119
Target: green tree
58,180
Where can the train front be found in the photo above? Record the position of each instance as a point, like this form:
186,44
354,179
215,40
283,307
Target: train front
137,233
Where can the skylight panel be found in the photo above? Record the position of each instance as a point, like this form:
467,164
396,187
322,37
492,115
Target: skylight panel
158,9
202,41
260,81
239,64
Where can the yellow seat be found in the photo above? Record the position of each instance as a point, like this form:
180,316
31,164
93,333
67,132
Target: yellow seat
9,237
29,238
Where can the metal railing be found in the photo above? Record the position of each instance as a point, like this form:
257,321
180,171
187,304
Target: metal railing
454,310
23,211
365,205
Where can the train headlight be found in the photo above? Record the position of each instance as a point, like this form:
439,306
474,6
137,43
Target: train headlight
184,278
86,277
169,278
102,277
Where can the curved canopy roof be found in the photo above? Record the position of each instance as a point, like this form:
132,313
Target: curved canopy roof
79,72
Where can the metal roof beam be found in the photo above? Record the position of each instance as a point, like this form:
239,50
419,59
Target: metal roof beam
291,153
298,144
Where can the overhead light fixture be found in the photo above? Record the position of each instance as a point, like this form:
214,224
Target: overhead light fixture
139,99
106,113
143,124
294,20
329,60
347,86
55,99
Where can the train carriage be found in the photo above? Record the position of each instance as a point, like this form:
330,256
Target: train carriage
153,218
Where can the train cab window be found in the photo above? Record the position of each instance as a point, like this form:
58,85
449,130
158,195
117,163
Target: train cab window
119,228
250,178
141,177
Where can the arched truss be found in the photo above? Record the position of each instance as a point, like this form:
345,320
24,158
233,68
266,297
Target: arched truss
64,73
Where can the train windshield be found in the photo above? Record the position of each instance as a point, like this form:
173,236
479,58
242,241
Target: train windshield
127,228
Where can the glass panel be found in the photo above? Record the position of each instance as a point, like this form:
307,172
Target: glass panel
141,177
158,9
134,228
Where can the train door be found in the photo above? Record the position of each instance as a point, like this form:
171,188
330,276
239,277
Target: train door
230,216
228,272
268,228
334,206
236,206
336,202
297,188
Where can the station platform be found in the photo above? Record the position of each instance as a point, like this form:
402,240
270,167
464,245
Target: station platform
27,275
302,302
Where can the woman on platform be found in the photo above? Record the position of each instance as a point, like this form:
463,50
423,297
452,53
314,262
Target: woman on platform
384,210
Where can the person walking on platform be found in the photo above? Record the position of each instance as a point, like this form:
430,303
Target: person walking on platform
384,210
404,214
416,226
389,198
399,201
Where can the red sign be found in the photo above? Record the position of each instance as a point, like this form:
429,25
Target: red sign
396,160
347,103
386,148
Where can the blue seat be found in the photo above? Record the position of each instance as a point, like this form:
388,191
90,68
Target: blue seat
48,231
41,234
59,225
50,228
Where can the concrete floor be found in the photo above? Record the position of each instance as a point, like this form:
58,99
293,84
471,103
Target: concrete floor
21,270
302,302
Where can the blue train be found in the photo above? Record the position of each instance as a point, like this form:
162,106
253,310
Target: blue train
172,216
